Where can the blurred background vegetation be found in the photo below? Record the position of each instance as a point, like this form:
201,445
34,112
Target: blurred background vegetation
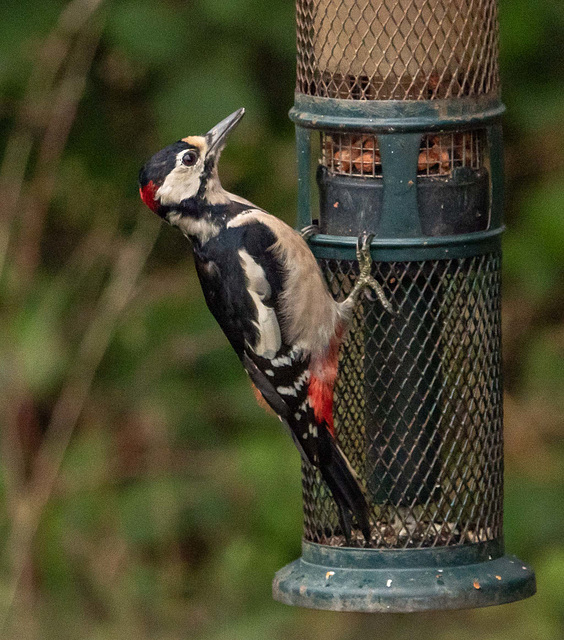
143,493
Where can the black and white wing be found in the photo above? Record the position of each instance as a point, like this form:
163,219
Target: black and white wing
241,261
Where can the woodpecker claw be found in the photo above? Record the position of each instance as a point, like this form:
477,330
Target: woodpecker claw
365,278
309,231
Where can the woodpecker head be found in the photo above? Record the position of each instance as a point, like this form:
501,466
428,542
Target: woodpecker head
182,178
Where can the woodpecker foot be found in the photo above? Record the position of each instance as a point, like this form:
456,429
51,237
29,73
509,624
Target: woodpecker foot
309,231
365,279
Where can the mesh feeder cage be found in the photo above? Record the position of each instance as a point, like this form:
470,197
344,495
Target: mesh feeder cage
404,96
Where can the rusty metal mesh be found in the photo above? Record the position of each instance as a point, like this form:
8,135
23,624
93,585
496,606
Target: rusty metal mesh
347,154
397,49
418,406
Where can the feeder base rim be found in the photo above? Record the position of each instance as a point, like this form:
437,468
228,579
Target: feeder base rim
392,590
438,557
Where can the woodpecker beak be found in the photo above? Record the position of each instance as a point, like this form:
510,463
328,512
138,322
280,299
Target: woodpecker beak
216,137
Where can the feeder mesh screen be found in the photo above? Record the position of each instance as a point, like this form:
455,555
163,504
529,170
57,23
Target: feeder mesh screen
418,405
397,49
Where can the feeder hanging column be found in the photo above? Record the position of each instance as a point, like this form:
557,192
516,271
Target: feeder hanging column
403,97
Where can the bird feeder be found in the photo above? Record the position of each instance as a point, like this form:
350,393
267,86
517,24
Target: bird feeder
402,97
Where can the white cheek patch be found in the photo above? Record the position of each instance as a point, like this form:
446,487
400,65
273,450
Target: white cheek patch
181,183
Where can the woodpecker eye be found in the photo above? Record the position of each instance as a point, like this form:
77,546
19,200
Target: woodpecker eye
189,158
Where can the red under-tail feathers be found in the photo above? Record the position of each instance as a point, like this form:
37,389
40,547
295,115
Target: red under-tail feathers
323,376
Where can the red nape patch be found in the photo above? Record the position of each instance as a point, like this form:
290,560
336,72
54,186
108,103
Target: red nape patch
147,194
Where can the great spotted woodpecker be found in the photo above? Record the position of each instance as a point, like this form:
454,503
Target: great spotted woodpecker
263,286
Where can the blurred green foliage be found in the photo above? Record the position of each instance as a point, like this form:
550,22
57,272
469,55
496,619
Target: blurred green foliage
176,497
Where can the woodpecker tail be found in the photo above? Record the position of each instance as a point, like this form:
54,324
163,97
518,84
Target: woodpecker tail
345,487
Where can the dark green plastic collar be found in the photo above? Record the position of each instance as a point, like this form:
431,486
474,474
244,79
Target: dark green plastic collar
394,115
423,248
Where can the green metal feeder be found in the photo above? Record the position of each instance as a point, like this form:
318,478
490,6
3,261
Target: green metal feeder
404,95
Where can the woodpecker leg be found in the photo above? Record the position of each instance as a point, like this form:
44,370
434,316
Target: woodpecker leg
310,230
365,278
